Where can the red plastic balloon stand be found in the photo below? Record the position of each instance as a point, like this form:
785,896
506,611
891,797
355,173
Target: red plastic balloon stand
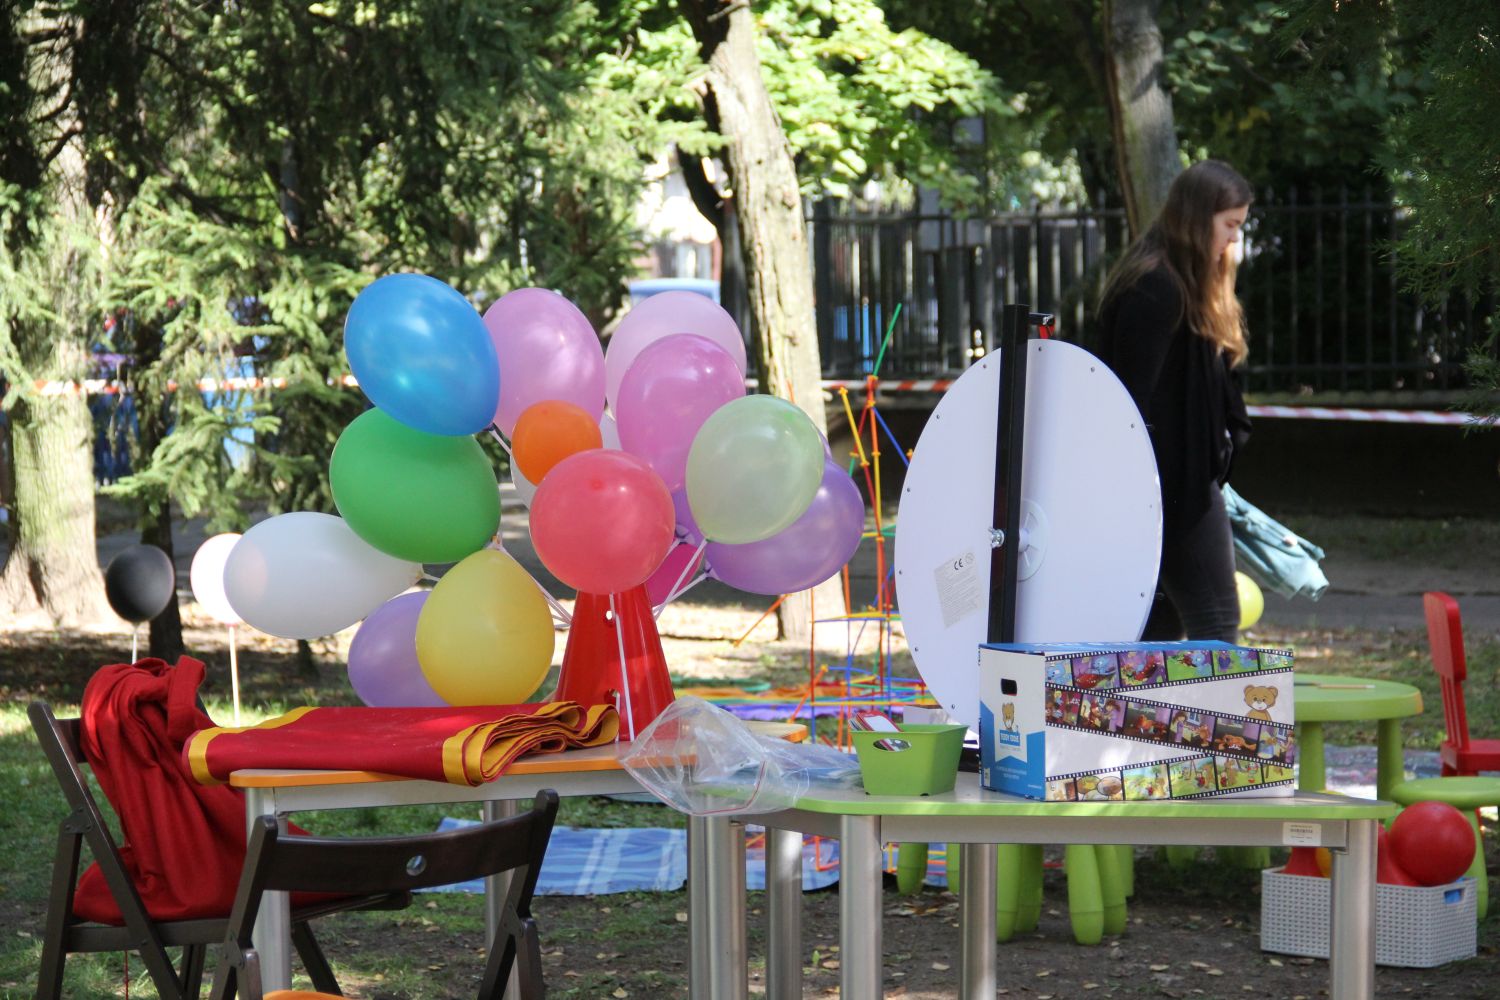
592,671
1303,861
1387,870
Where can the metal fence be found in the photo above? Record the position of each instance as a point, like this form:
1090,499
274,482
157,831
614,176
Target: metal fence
1326,313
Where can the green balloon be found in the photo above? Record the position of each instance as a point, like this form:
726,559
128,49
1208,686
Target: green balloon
754,468
422,497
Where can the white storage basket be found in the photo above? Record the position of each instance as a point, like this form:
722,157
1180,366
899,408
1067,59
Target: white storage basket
1415,926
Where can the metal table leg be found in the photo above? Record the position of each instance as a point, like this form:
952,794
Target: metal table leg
495,889
860,950
1352,935
718,968
976,920
783,915
698,963
272,935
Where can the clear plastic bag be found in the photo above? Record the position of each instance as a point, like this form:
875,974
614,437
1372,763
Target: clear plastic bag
701,760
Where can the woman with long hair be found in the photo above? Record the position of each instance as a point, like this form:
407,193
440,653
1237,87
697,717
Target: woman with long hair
1172,332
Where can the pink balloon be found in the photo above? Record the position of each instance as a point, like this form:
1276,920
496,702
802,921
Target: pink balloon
672,569
546,350
602,521
673,386
662,315
383,665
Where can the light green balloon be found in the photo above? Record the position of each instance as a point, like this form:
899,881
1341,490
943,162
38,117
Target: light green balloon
753,469
422,497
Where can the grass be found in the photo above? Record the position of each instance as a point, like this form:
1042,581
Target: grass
595,946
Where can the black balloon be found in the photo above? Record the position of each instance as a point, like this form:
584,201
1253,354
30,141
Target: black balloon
139,583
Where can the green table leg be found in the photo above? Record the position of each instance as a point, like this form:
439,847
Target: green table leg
1085,904
1477,869
911,868
1127,868
1180,856
1390,768
1111,889
1010,864
1029,909
1310,772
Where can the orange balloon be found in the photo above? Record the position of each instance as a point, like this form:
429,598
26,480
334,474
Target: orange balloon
548,432
1325,861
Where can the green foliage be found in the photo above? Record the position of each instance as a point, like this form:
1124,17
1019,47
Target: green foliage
858,100
291,154
1440,145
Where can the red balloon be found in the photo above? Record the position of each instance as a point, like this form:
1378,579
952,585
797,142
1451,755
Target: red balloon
602,521
1432,842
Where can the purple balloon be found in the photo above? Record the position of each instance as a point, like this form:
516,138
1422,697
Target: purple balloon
662,315
673,386
547,350
383,663
687,528
815,547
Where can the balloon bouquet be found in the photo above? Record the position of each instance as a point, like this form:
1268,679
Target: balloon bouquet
685,475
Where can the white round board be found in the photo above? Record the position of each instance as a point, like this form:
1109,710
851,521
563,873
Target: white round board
1091,518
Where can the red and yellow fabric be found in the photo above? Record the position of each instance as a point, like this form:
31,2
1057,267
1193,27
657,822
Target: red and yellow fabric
465,746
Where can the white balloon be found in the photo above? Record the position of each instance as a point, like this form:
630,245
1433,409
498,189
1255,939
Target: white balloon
609,432
305,574
207,577
525,488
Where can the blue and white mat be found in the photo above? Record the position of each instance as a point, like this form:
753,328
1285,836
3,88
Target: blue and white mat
593,862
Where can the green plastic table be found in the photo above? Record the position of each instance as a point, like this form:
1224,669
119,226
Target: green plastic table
971,816
1335,698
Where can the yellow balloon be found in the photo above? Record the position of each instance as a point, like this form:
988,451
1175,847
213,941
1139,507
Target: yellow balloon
485,635
1252,601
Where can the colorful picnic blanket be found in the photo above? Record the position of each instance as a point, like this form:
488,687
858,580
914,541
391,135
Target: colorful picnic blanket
465,746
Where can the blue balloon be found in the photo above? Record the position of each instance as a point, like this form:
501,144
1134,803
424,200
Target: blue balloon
422,354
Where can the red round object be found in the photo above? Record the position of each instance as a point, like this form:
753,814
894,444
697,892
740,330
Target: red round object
1432,842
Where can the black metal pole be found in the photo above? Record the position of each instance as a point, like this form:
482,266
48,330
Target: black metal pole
1015,331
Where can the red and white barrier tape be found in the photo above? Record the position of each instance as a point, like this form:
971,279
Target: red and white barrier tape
110,387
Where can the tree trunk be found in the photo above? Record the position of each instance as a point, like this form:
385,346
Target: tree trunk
1140,109
166,628
768,209
53,567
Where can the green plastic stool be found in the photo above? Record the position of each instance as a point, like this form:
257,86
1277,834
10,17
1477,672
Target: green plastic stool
1465,794
1100,878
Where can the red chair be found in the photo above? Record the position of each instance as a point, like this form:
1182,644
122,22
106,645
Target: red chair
1445,638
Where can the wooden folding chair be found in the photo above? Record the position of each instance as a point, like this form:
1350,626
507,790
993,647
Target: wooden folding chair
67,934
361,865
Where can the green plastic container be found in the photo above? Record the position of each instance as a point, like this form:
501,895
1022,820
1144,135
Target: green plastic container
927,766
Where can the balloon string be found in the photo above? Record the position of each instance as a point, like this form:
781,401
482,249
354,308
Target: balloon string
559,613
234,676
656,612
495,433
624,676
677,588
135,641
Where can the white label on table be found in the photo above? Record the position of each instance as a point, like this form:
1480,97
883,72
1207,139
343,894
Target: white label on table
959,589
1302,834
